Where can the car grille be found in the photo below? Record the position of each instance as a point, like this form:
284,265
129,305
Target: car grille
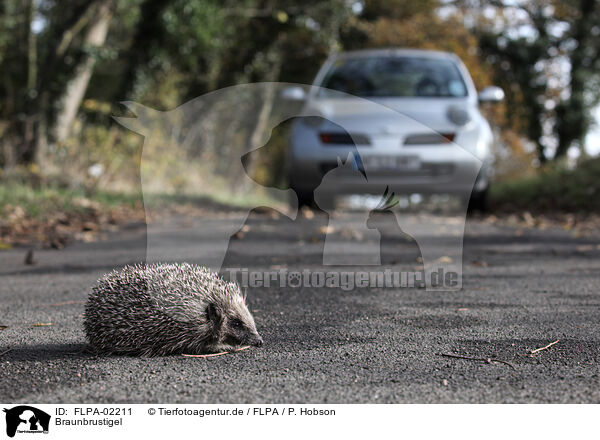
426,169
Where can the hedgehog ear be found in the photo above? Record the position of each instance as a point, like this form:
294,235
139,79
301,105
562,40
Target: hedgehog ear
212,314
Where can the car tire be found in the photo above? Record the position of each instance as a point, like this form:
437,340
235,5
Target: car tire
479,201
304,199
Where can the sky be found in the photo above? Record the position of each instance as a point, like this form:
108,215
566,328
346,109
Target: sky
592,142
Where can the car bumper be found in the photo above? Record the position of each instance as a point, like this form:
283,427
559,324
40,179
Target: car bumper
439,172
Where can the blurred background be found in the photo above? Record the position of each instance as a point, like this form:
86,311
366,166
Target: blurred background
65,163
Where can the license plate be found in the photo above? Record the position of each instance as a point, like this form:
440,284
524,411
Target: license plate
398,163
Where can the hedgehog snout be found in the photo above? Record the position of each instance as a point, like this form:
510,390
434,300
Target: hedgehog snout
258,342
254,340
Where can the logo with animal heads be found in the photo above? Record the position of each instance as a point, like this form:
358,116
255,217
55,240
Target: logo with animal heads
26,420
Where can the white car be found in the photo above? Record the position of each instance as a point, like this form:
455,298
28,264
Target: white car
410,117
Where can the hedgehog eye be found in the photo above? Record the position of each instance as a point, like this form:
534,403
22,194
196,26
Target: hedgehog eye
236,323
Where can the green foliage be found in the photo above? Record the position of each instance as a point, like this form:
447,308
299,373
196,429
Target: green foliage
527,64
48,200
555,187
164,52
116,151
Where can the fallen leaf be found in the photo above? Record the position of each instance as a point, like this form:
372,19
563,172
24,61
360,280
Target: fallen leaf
307,213
529,220
327,229
89,226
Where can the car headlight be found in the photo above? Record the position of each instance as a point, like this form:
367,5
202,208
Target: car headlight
458,115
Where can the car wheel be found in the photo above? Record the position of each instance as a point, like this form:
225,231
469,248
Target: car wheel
304,199
478,202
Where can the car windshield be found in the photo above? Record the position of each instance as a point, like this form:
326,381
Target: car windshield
395,76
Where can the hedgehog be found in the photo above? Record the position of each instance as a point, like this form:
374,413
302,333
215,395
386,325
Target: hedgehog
166,309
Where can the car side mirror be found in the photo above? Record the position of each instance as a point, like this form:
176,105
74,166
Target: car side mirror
293,93
491,94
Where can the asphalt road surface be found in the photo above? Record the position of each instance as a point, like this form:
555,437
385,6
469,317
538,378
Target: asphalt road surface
522,290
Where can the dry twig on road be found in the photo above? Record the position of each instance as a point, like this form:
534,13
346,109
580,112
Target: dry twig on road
543,348
204,356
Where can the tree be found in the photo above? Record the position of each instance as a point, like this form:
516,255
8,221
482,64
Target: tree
531,42
573,112
47,56
75,87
